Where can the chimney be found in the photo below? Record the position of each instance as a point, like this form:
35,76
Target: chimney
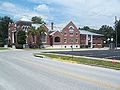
52,25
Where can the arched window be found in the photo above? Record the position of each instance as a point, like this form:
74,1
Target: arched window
71,30
43,37
57,39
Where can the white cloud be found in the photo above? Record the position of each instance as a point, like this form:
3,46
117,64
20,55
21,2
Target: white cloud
42,8
7,6
17,11
84,12
92,12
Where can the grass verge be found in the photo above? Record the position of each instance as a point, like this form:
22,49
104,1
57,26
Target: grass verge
1,48
93,62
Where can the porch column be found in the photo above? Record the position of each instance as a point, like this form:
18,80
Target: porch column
86,39
91,41
53,41
26,36
13,38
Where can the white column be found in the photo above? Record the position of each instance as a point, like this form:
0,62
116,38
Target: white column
91,41
86,39
26,35
13,41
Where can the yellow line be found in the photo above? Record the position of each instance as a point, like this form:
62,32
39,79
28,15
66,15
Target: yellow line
74,75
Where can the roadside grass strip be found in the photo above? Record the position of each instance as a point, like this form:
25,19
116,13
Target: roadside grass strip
1,48
79,60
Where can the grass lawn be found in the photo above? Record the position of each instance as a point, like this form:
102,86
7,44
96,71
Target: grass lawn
100,63
1,48
50,49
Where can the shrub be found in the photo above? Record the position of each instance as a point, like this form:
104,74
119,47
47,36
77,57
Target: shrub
19,46
33,46
1,44
21,37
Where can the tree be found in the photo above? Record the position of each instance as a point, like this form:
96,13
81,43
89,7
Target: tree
21,37
33,31
89,29
37,20
4,22
107,31
117,27
85,28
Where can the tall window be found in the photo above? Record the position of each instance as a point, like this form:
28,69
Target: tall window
71,40
76,40
65,40
76,33
71,30
65,33
43,37
57,39
82,37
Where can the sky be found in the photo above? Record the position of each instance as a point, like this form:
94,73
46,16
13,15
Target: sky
92,13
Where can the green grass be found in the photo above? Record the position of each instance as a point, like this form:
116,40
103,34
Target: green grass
56,49
1,48
95,62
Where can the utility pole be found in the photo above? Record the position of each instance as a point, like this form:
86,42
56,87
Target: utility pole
116,30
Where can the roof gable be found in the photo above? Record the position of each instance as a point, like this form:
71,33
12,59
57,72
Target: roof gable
70,24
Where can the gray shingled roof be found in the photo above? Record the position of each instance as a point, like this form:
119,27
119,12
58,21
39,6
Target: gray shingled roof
89,33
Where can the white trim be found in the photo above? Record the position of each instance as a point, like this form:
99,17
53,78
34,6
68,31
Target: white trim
13,41
67,46
71,27
86,39
91,41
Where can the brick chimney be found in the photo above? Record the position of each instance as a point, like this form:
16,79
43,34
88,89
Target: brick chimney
52,25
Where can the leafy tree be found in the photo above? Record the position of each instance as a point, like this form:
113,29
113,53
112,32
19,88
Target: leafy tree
4,22
107,31
37,20
21,37
85,28
33,31
89,29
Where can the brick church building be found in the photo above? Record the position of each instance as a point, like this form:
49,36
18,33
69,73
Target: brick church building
69,36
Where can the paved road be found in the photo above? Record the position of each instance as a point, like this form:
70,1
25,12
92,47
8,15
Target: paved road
20,70
108,54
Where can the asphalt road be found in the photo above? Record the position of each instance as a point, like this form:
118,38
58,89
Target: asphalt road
108,54
20,70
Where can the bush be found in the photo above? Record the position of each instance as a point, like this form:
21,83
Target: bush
19,46
33,46
1,44
21,37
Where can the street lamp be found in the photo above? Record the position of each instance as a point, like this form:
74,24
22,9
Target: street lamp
116,30
111,44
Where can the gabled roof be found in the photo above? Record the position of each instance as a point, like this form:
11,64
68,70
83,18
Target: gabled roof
70,24
53,33
89,33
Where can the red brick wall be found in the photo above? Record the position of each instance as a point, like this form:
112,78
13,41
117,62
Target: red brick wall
11,28
57,34
68,36
47,36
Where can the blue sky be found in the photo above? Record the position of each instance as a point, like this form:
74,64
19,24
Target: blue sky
93,13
